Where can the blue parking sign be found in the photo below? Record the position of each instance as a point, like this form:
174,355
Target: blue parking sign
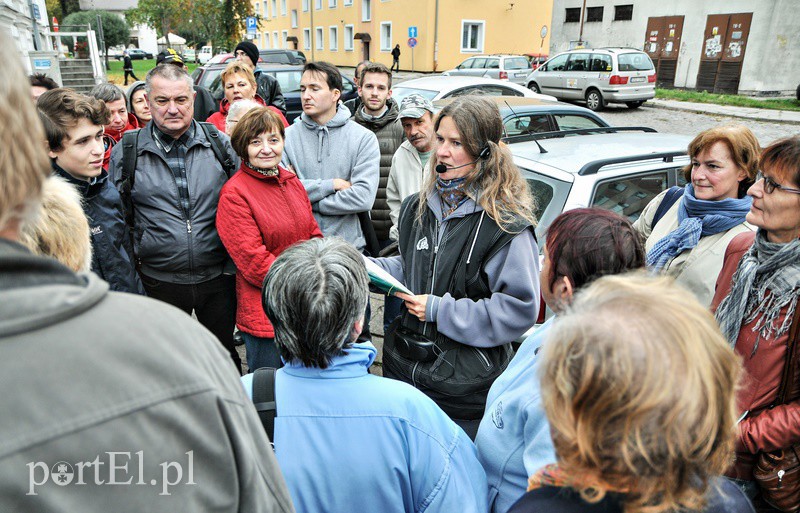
252,24
412,32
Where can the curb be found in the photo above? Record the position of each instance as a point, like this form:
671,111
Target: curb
764,118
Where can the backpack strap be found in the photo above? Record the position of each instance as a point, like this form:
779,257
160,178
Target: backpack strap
130,152
212,134
673,195
264,399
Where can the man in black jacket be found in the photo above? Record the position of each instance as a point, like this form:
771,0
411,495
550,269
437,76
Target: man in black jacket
396,57
267,86
74,129
127,67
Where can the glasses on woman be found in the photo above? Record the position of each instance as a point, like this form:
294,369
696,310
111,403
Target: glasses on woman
770,185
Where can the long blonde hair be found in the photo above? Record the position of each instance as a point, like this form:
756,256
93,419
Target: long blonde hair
639,388
495,183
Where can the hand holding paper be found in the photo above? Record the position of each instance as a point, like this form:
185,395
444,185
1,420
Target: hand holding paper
383,280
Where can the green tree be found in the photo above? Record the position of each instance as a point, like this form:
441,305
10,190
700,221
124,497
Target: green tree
162,15
232,20
115,30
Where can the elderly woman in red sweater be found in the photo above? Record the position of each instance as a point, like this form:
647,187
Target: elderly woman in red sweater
263,209
756,306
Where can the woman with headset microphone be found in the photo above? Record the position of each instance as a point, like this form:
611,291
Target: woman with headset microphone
469,255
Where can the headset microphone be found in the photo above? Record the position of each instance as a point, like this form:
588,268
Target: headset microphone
484,154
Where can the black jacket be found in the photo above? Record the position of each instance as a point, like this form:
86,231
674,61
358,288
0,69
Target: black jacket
112,254
169,245
270,90
390,136
204,104
396,52
126,62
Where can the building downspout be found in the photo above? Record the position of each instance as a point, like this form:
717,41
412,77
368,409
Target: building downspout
436,37
583,15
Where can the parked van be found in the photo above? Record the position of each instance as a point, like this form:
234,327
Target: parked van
597,76
205,54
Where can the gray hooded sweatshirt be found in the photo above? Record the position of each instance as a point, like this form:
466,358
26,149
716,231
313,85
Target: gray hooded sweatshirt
339,149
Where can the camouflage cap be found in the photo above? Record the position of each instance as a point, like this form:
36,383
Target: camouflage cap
414,106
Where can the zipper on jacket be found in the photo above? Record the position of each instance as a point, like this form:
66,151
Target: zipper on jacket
188,226
483,358
413,372
433,271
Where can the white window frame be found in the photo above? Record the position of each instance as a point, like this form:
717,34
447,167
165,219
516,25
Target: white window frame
258,8
349,41
266,40
266,9
274,8
388,47
347,3
332,4
366,10
294,18
276,42
284,39
333,38
482,36
317,5
307,39
283,7
320,42
306,5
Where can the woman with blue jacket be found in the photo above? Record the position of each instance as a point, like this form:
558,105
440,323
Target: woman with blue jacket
514,437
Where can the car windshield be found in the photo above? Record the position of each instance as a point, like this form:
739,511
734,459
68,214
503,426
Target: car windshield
398,93
212,81
637,61
517,63
288,80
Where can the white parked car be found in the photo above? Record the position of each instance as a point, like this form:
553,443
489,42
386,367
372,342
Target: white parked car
514,68
440,87
205,54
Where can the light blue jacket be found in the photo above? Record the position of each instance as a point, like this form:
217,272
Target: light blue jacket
514,436
349,441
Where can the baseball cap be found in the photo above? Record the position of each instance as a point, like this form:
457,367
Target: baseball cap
169,56
414,106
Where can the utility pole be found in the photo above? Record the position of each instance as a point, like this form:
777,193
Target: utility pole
583,15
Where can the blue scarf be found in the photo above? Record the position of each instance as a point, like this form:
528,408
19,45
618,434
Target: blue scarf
697,218
452,194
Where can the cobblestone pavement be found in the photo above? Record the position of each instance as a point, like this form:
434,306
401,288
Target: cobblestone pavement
691,123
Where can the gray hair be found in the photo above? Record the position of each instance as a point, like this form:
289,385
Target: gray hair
313,294
107,92
238,109
167,71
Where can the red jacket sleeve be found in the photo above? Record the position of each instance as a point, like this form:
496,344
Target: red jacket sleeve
242,237
771,429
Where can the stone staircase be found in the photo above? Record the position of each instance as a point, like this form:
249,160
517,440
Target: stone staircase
77,74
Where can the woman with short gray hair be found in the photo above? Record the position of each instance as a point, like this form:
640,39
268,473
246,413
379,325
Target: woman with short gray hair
347,440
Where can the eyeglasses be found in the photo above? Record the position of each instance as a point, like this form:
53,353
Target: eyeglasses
770,185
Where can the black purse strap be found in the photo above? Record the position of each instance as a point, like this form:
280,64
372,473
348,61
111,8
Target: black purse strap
789,363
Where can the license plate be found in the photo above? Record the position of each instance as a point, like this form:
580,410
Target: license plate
523,74
637,79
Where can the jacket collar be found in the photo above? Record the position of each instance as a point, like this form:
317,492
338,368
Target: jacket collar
353,363
435,205
390,116
283,174
87,188
147,139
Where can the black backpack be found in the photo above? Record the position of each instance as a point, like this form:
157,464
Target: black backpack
264,399
130,153
670,198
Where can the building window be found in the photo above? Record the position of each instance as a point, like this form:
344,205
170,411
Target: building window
294,18
305,5
283,7
348,3
284,39
276,42
472,35
333,37
265,39
386,36
307,39
266,9
332,4
348,38
318,5
594,14
573,15
623,12
366,10
274,8
320,42
258,8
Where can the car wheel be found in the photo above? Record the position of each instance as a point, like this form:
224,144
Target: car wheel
634,105
594,100
533,86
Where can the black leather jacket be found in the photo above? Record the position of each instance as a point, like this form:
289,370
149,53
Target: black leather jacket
269,89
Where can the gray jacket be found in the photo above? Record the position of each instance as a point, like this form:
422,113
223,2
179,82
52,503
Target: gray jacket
126,390
169,246
340,149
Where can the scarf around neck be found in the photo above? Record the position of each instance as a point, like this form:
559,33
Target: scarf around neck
697,218
263,171
766,280
453,194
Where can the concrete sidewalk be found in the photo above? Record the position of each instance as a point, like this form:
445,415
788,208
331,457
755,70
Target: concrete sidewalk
766,115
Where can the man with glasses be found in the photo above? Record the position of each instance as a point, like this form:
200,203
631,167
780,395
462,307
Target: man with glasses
173,188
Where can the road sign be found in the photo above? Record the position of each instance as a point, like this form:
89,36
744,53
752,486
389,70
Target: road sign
36,12
412,42
252,24
412,32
